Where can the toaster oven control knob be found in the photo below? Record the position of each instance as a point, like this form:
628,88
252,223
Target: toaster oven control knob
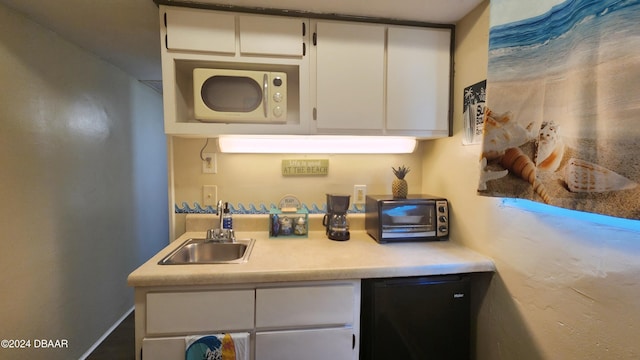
443,219
443,229
277,111
441,209
277,81
277,97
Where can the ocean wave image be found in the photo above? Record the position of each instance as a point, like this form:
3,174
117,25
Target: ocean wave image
545,43
563,107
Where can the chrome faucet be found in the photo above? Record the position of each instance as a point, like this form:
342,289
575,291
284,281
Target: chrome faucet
219,210
220,234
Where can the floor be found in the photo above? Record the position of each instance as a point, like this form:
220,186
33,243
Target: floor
119,345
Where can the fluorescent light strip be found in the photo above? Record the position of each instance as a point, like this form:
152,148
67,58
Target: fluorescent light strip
316,144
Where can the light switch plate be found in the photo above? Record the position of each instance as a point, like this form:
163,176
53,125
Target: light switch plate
209,195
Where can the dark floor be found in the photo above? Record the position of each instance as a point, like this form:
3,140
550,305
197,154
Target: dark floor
119,345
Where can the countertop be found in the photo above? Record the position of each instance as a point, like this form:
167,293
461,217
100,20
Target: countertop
314,258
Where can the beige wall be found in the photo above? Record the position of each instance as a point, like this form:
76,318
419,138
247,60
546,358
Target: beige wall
257,178
567,285
83,189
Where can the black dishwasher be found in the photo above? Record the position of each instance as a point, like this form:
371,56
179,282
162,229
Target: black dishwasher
415,318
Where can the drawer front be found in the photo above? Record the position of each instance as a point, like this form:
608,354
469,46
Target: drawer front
305,306
192,312
320,344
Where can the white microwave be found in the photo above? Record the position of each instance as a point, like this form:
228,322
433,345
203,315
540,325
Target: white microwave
223,95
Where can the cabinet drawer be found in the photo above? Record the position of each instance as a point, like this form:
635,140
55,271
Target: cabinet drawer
320,344
305,306
190,312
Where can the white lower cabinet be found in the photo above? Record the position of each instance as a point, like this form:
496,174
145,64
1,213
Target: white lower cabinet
310,320
316,344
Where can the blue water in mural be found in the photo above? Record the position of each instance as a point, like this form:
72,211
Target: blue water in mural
546,43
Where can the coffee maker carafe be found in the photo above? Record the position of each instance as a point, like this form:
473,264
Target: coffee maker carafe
335,220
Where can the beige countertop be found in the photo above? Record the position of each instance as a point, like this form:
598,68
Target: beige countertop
314,258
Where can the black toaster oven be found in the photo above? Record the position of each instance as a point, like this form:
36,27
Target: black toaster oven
416,218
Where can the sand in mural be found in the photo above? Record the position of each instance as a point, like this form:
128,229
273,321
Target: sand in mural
562,124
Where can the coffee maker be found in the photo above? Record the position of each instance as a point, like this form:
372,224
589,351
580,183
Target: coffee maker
335,220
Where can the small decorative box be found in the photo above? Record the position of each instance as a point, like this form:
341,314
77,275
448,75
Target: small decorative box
289,220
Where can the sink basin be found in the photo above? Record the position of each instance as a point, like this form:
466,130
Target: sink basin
200,251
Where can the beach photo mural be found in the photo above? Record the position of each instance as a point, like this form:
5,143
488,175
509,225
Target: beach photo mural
562,116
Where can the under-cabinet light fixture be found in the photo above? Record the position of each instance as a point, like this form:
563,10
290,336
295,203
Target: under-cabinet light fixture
316,144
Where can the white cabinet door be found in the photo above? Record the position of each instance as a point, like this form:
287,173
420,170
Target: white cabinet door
199,30
319,344
169,348
418,75
271,35
349,76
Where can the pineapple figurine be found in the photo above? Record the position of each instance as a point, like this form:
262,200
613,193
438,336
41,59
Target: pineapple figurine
399,187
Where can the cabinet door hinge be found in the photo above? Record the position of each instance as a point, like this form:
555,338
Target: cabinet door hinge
165,19
304,29
315,113
304,49
315,39
353,342
166,41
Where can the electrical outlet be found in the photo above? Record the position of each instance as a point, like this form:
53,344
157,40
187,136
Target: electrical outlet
209,195
359,194
209,164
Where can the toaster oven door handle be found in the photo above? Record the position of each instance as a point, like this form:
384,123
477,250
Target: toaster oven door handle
265,94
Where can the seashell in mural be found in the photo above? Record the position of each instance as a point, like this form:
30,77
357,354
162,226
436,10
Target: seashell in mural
520,165
585,176
501,132
487,175
549,147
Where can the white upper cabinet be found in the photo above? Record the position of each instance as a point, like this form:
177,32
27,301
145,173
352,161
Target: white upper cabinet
349,77
418,76
214,31
377,79
271,35
196,30
200,38
342,77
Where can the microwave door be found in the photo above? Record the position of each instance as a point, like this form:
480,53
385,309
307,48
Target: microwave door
232,94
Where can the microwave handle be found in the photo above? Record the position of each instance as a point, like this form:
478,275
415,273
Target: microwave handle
265,94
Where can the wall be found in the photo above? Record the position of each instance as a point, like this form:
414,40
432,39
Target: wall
83,187
256,178
568,282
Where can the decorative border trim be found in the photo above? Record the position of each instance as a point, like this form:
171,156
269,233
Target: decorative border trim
260,209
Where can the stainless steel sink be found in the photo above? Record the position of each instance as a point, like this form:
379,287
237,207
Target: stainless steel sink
201,251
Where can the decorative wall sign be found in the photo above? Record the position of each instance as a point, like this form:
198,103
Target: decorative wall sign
305,167
473,112
562,124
